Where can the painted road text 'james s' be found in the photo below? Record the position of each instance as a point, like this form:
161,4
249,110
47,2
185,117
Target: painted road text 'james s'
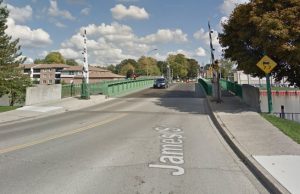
171,150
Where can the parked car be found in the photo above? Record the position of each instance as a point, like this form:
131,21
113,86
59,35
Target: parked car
160,83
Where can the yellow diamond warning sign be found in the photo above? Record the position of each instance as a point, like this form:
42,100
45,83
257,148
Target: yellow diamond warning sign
266,64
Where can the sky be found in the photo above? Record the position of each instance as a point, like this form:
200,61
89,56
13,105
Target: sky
118,29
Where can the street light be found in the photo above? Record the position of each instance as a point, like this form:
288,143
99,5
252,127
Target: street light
147,53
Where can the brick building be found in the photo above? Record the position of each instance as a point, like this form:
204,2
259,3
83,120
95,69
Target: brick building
44,73
96,74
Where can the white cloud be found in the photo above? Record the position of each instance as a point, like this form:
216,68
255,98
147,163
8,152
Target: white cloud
126,1
223,20
60,25
180,51
43,54
28,37
166,35
28,60
203,36
69,53
111,43
20,14
56,12
85,11
228,6
120,12
200,52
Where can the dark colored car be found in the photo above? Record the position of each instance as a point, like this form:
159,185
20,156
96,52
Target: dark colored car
160,83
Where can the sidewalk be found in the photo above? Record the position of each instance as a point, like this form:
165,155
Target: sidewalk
271,155
49,108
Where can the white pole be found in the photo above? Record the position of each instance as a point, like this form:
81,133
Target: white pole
85,60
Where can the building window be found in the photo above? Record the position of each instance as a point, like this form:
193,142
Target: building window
49,81
44,81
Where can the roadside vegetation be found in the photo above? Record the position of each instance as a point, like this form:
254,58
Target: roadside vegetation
7,108
264,27
290,128
12,81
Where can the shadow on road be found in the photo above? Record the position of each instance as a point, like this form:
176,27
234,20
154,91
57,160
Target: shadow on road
182,97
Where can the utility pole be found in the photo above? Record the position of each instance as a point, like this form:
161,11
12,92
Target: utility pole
147,53
85,93
216,90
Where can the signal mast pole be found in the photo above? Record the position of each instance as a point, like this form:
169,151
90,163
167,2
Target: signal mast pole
85,93
216,90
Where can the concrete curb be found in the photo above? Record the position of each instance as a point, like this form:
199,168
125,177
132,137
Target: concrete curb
56,112
262,174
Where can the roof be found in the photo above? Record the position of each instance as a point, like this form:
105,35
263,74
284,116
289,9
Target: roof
43,66
79,68
100,74
107,74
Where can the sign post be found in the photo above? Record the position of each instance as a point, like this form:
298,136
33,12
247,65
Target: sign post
266,64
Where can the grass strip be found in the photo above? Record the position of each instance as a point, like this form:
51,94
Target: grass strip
290,128
7,108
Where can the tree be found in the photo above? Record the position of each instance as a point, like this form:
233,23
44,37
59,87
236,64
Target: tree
71,62
148,65
9,49
265,27
127,70
193,68
162,65
14,83
12,80
227,68
111,68
54,57
179,65
39,61
131,62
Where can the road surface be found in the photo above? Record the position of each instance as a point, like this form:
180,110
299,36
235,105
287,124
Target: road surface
154,141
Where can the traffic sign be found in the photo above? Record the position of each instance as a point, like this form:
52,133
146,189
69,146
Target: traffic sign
266,64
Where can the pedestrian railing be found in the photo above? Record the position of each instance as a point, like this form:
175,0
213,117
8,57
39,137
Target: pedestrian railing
108,88
288,116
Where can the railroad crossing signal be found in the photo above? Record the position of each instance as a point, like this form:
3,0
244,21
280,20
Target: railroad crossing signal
266,64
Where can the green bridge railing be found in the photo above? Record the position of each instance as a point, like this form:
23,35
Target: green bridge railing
108,88
227,85
232,87
206,84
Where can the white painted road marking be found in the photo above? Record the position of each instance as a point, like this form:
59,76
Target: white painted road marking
40,108
171,150
284,168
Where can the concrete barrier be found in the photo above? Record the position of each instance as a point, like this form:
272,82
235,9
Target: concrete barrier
42,93
251,96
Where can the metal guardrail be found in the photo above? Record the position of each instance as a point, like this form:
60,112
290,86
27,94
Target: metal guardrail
69,90
108,88
289,116
206,84
227,85
127,86
233,87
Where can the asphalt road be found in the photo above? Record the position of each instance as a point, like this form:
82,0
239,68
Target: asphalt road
154,141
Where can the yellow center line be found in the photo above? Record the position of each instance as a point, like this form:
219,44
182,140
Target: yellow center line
56,136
